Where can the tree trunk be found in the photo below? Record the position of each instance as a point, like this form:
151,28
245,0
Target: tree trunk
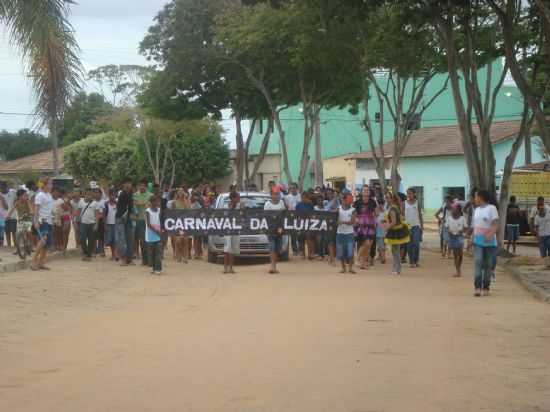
395,176
247,152
319,178
469,141
259,84
55,148
240,153
284,153
263,150
506,20
528,150
524,132
310,113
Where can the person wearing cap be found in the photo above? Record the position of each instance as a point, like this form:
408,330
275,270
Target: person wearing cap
275,240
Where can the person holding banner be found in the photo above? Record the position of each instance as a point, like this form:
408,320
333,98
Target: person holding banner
181,202
231,242
275,241
345,233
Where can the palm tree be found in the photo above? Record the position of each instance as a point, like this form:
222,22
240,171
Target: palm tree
40,29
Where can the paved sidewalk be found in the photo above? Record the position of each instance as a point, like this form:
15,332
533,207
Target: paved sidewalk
536,278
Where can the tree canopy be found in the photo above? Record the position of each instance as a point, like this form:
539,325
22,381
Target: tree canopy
23,143
83,117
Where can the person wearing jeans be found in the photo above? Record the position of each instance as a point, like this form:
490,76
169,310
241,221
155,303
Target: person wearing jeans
413,217
397,232
483,267
542,229
485,226
124,225
89,212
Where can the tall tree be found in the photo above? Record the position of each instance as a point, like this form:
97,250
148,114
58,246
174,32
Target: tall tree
40,29
468,33
84,116
255,44
194,79
120,84
522,31
399,59
23,143
326,71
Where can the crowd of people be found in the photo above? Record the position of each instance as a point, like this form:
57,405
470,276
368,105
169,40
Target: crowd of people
127,220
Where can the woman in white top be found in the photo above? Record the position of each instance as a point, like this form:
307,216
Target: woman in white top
413,217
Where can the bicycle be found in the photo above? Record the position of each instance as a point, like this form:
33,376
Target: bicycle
22,239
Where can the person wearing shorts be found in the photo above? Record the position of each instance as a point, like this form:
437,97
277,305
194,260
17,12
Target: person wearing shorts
43,221
457,225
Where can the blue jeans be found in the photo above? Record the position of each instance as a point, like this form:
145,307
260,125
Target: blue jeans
484,258
544,245
413,247
125,238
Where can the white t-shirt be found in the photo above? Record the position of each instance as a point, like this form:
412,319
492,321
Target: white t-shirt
543,224
456,226
45,203
345,215
10,200
88,211
292,200
484,216
111,214
412,214
154,222
269,205
534,211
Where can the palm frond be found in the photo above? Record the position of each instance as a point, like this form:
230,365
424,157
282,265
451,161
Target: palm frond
40,29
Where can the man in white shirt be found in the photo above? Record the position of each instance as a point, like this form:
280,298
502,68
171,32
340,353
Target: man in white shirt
9,196
535,210
291,200
43,223
89,211
275,241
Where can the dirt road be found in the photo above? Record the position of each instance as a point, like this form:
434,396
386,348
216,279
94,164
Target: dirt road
97,337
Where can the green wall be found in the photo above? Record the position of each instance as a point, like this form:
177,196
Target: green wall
341,132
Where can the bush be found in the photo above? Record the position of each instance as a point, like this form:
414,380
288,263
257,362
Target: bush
110,156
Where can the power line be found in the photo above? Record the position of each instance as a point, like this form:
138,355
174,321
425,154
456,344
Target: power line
18,114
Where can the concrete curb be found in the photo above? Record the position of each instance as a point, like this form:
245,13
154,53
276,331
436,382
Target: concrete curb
536,290
10,267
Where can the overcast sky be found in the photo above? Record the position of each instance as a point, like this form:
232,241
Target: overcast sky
107,31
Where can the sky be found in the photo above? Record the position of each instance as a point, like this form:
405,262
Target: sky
107,31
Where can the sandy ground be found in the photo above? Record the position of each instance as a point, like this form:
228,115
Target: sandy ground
98,337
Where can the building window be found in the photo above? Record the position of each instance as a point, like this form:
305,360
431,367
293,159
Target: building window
457,192
365,164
